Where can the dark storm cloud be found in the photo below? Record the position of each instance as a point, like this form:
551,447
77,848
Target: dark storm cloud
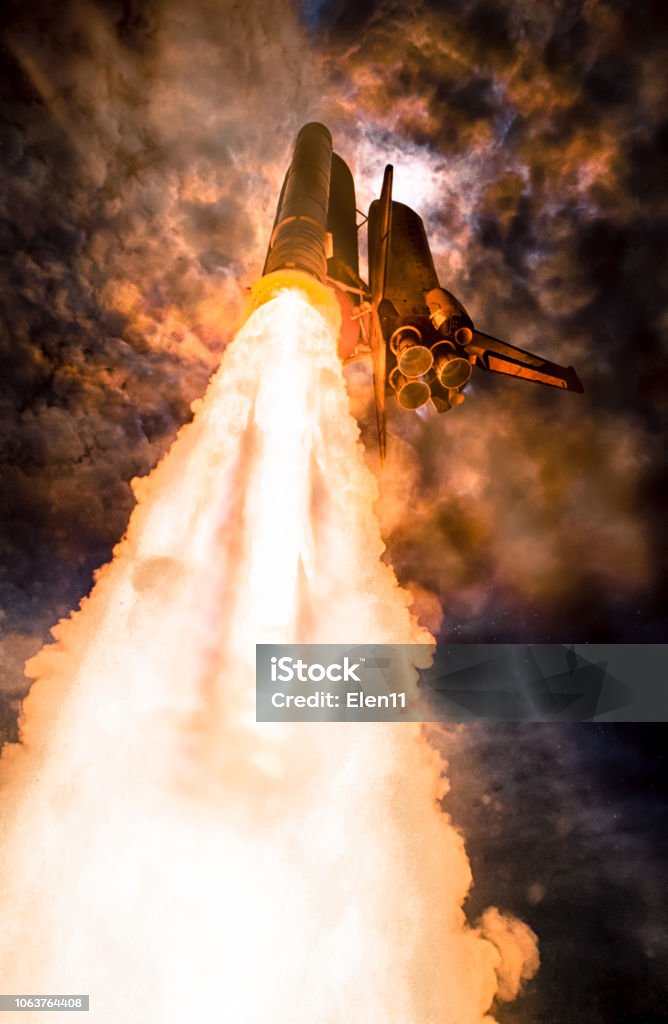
139,145
508,530
143,146
566,826
534,514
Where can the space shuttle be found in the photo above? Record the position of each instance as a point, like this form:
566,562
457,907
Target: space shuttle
422,343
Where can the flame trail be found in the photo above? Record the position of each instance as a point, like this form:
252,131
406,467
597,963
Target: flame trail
167,854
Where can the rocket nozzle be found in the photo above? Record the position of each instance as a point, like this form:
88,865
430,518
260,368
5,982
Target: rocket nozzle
413,358
463,335
453,371
411,393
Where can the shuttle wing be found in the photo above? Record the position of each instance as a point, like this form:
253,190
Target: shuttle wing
500,357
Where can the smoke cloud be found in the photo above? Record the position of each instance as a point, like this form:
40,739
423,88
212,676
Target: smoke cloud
565,827
522,135
298,872
144,149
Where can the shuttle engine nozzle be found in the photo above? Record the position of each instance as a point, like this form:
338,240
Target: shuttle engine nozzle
411,393
452,370
413,358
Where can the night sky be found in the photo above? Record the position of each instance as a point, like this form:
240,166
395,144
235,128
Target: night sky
143,146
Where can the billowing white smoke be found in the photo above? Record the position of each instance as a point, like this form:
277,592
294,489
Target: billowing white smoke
162,851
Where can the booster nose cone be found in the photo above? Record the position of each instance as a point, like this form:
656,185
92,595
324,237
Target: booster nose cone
413,358
411,393
453,371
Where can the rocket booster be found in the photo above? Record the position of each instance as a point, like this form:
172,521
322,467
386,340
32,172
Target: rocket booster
299,238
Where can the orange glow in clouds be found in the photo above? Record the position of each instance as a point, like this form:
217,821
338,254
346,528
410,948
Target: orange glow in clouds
162,851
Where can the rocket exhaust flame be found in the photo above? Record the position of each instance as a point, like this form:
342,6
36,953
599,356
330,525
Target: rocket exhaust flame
167,854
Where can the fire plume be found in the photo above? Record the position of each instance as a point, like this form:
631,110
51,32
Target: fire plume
162,851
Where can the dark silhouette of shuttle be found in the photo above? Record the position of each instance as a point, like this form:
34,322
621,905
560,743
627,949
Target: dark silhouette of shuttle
422,342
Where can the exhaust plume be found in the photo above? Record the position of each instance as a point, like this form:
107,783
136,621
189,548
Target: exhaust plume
162,851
